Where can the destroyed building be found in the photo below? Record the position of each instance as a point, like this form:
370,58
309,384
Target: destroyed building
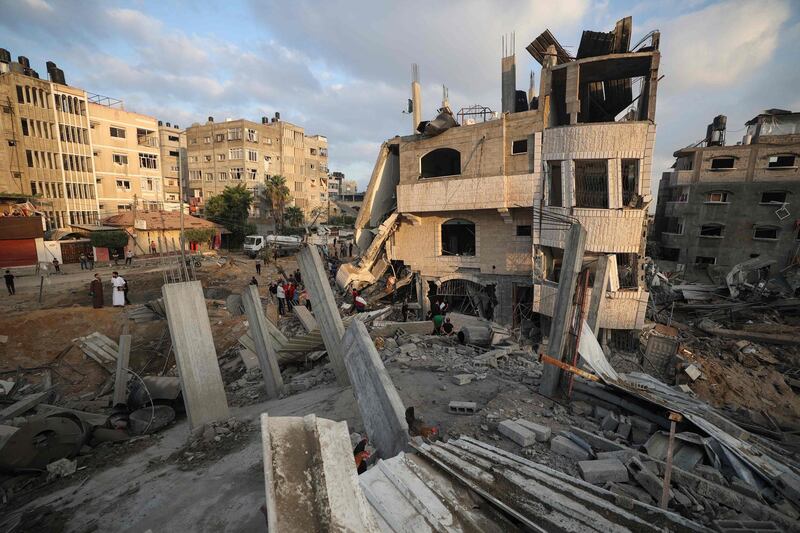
722,205
477,204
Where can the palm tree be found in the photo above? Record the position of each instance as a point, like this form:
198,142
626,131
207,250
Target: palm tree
278,194
294,216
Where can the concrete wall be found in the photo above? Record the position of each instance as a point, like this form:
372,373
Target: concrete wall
486,192
608,230
623,309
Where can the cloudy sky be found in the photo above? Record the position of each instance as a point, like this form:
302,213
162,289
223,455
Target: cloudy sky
342,68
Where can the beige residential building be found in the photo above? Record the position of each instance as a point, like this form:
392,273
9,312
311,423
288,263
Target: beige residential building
47,147
172,142
221,154
348,187
126,157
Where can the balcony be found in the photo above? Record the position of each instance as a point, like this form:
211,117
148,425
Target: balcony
608,230
459,194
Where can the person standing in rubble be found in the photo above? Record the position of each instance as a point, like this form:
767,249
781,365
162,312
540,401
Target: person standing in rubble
289,294
9,277
258,266
84,262
297,276
118,287
281,294
56,265
96,292
273,292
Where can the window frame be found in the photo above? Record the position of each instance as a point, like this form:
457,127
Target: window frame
516,144
783,202
719,158
762,227
712,226
777,157
709,200
112,129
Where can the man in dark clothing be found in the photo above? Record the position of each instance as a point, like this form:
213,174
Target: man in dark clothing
297,276
254,281
90,260
404,309
10,283
55,264
258,267
96,292
447,327
350,247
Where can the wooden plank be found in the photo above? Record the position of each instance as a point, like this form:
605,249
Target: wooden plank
22,406
121,378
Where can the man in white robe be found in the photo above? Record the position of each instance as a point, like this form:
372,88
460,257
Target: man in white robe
118,290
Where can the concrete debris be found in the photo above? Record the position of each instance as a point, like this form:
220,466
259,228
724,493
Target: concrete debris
463,379
63,467
564,446
516,432
603,471
462,408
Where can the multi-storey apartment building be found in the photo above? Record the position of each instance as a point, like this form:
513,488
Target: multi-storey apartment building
335,180
348,187
478,204
723,204
226,153
126,158
47,146
174,166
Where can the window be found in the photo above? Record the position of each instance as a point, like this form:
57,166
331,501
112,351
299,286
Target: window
440,162
195,175
711,230
173,153
252,135
234,134
523,231
123,207
207,140
630,182
705,260
722,163
765,232
193,140
119,159
124,185
519,147
24,122
252,155
298,186
781,161
773,197
20,95
671,254
207,158
591,183
235,153
29,156
220,157
674,225
173,138
251,173
554,184
458,237
219,137
222,176
148,184
117,132
148,161
209,176
717,197
237,173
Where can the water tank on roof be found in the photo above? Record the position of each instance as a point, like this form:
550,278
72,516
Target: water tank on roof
720,122
211,119
265,120
277,115
5,56
24,61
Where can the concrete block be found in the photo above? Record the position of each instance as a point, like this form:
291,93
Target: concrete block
688,456
306,318
542,432
600,412
463,379
516,432
63,467
624,429
648,480
610,422
621,455
381,408
563,446
657,445
693,372
603,471
711,474
637,422
265,351
195,355
463,408
630,491
408,348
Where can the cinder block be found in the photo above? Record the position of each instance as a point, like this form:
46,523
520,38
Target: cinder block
603,471
542,432
610,422
463,379
567,448
516,432
463,408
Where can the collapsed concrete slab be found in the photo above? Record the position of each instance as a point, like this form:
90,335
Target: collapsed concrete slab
325,309
121,376
310,477
195,355
381,408
265,351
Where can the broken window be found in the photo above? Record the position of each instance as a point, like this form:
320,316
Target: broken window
765,232
773,197
440,162
24,122
781,161
671,254
554,192
630,182
705,260
717,197
679,194
458,237
722,163
117,132
524,231
711,230
519,147
591,183
674,226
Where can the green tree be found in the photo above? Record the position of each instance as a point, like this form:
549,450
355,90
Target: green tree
199,235
109,239
278,195
294,216
231,209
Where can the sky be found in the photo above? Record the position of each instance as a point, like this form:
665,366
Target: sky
342,68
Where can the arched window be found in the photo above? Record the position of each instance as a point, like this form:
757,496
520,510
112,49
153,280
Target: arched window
440,162
458,237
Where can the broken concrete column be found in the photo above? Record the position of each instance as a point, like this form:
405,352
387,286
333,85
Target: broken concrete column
265,351
599,287
306,318
325,309
310,477
381,408
195,355
121,376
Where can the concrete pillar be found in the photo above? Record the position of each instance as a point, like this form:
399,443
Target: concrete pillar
508,75
599,287
562,313
121,377
310,477
195,355
325,309
381,408
573,83
265,351
416,99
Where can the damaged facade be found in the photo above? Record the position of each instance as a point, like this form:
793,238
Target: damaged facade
478,204
724,205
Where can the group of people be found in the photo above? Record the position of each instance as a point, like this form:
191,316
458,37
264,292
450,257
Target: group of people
86,260
441,322
287,293
119,288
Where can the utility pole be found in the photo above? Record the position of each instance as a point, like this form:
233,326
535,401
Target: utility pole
559,327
